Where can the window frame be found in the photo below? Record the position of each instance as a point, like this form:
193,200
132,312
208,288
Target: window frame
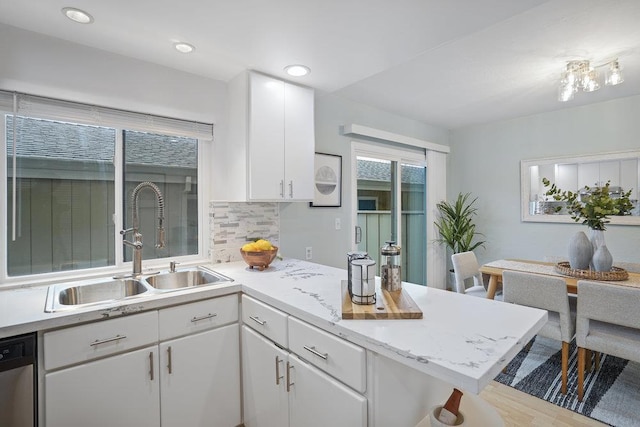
205,150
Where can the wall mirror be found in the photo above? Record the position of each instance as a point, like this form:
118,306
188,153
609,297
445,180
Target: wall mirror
574,173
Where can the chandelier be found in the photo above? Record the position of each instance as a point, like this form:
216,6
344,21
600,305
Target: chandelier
581,75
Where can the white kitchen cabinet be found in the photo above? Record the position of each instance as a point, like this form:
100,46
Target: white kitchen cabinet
281,389
200,379
318,400
269,155
121,390
188,372
263,381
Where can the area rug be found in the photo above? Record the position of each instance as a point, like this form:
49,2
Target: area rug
612,394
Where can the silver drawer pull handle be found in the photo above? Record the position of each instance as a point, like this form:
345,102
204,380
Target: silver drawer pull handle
316,352
278,376
151,365
289,383
208,316
257,320
116,338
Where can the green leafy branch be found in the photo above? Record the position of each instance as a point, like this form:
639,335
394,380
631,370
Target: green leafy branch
593,209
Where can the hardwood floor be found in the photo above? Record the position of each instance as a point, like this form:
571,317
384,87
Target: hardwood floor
520,409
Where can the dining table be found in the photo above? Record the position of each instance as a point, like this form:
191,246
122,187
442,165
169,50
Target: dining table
494,270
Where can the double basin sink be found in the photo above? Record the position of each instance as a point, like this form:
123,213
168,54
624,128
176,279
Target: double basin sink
66,296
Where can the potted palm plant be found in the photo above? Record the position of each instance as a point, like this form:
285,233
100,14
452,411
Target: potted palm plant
456,227
455,224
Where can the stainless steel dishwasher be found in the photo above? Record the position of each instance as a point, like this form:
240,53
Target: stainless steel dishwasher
18,381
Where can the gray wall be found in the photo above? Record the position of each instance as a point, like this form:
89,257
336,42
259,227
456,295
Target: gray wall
485,160
45,66
301,225
40,65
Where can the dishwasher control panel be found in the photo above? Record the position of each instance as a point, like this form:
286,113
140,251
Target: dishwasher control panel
11,351
17,351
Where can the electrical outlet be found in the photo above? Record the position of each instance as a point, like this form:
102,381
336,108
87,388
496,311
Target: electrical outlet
338,224
308,253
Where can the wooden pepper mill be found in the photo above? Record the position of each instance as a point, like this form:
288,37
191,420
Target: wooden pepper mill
451,409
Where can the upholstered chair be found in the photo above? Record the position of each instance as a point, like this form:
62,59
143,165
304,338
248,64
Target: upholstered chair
547,293
465,266
608,321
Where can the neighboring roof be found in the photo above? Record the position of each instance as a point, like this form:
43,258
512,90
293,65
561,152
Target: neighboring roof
46,139
379,171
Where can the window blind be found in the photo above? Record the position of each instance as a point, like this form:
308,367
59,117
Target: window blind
68,111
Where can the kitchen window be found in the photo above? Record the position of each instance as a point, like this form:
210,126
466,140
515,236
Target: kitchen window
69,173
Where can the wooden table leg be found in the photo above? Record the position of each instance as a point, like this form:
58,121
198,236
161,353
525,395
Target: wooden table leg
492,287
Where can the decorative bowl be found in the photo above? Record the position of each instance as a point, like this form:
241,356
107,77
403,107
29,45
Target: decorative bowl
259,259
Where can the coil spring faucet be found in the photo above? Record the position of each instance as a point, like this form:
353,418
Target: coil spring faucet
137,236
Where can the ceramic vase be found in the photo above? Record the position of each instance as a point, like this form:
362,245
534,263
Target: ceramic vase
602,259
597,240
580,251
596,237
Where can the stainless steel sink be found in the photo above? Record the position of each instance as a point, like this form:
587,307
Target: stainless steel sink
77,294
72,295
184,279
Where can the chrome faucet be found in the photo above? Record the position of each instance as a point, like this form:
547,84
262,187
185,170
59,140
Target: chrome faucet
137,237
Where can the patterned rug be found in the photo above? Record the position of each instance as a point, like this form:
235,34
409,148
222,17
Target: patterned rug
612,394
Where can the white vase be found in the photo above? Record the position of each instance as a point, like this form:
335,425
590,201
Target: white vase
580,251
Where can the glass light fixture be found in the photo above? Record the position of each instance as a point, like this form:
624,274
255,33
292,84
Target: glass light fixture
184,47
590,81
581,75
565,90
614,74
297,70
77,15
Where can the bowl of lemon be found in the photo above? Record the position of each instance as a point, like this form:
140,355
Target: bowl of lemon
259,254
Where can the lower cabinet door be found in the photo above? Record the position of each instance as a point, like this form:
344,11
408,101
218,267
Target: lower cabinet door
200,377
264,381
120,390
318,400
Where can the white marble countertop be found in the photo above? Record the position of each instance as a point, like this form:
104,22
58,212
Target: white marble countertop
463,340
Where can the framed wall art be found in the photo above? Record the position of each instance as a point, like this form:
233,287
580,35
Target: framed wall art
327,181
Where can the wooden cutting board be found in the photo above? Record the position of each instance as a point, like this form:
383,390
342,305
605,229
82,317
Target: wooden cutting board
389,305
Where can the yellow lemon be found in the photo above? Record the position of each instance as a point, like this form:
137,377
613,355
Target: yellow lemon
249,247
263,245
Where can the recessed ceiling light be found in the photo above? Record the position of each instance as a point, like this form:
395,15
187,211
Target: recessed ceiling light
77,15
297,70
184,47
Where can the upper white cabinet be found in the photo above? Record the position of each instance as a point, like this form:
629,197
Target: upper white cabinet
269,149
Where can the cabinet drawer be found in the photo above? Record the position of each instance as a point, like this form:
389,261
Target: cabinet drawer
339,358
197,316
86,342
267,320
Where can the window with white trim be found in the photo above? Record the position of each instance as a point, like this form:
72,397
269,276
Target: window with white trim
69,173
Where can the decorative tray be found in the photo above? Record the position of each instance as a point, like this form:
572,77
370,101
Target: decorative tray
388,305
616,273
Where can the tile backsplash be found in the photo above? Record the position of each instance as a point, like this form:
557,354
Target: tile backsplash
233,224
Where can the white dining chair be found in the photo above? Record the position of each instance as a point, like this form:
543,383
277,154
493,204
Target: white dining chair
465,266
547,293
608,321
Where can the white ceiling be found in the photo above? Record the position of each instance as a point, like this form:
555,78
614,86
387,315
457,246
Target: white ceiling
451,63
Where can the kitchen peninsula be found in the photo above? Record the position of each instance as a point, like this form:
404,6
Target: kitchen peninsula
460,341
